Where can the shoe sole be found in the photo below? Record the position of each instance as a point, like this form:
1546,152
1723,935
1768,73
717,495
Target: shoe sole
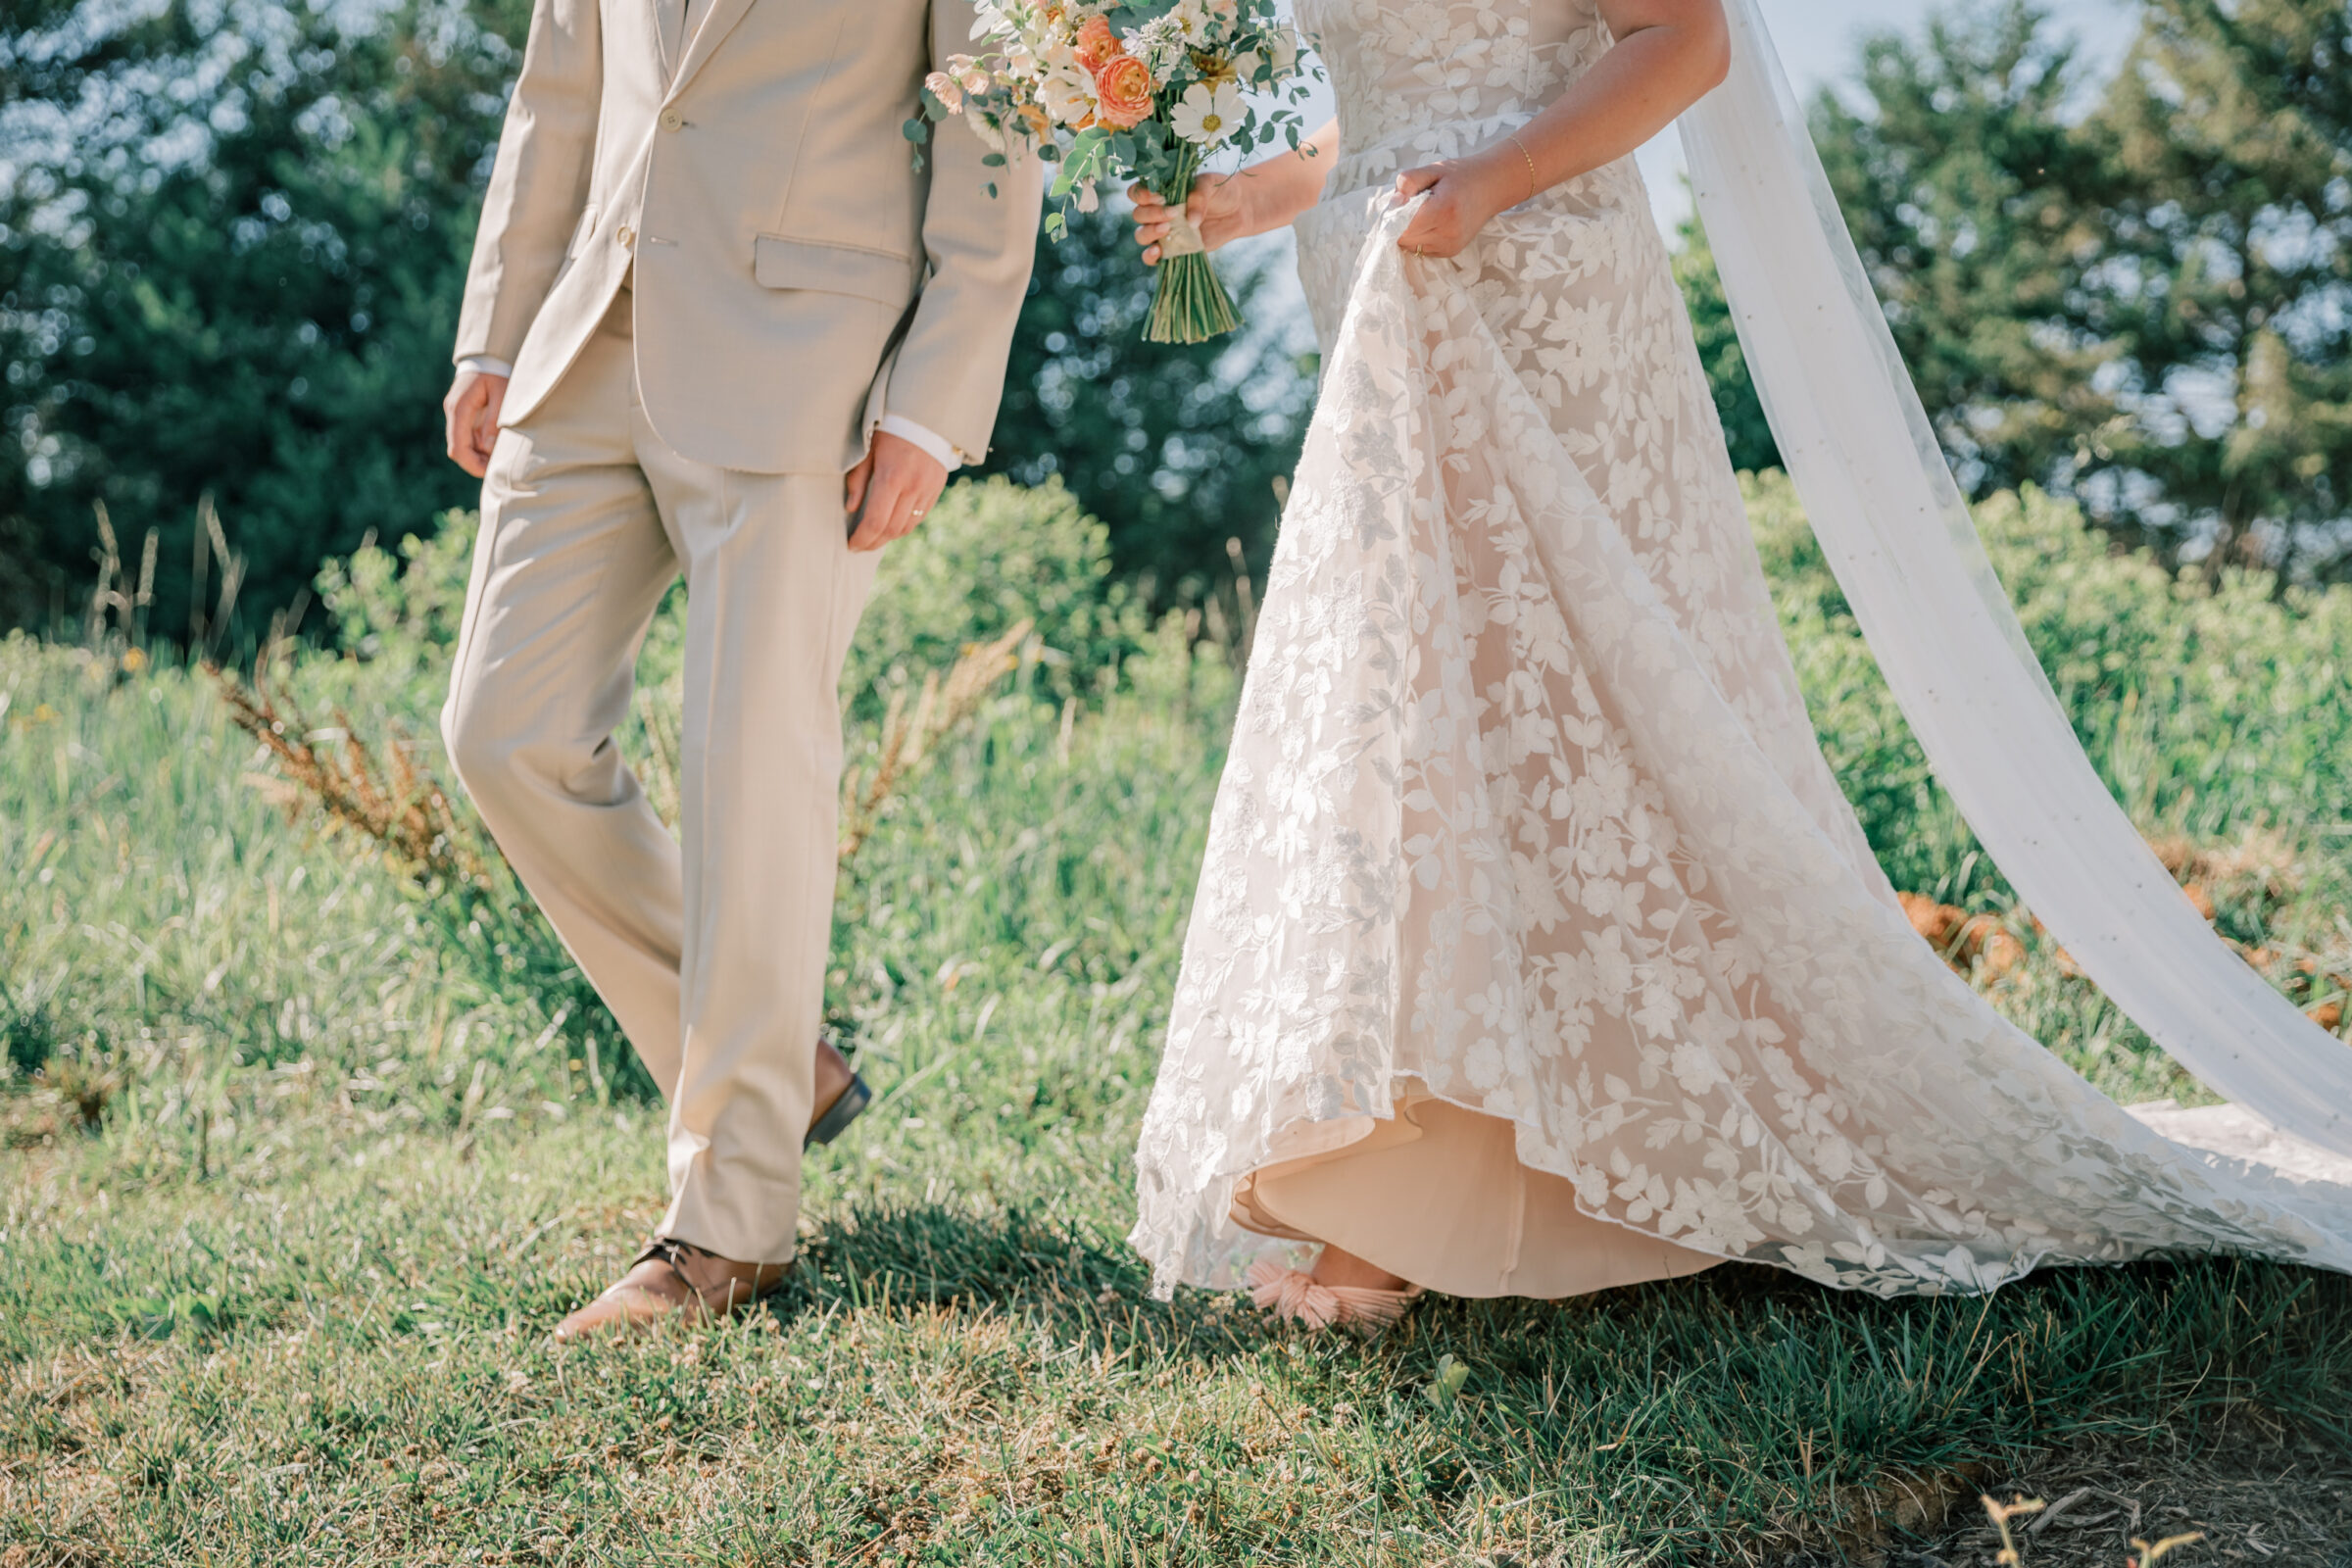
837,1115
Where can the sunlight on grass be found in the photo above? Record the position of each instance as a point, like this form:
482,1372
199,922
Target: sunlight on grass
305,1153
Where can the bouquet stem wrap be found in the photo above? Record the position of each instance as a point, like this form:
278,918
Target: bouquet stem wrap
1189,302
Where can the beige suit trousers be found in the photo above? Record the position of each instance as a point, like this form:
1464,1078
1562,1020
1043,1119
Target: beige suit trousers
711,954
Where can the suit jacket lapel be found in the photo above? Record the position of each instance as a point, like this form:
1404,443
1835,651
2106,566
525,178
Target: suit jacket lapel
718,19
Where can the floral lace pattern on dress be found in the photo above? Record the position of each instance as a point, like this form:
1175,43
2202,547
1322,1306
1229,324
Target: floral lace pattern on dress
1522,805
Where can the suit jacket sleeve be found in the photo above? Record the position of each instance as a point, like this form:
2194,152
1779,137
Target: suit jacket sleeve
539,184
949,372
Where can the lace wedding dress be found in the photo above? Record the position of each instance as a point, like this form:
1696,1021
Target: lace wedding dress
1536,948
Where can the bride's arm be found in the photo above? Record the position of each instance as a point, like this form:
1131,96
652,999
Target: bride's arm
1266,195
1668,55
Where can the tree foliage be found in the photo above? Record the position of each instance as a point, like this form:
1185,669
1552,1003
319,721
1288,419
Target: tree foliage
2229,274
1178,448
233,239
2143,296
1737,405
1975,208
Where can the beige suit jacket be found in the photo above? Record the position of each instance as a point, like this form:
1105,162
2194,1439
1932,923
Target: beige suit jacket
795,277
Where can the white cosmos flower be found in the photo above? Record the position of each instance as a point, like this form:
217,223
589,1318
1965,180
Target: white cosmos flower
1207,114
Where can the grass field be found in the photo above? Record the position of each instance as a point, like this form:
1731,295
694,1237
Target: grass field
308,1148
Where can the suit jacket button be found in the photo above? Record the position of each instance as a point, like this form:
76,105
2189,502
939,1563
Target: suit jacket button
626,235
671,119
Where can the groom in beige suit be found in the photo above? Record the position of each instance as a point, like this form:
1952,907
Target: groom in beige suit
718,323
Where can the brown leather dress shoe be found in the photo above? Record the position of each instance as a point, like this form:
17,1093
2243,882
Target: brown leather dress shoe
672,1278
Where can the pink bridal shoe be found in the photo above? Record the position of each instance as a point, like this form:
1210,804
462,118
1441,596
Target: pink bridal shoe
1292,1294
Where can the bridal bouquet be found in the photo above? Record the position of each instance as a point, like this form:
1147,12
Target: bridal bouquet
1131,89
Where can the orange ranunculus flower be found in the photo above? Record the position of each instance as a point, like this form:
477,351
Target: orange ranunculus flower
1124,86
1035,118
1095,45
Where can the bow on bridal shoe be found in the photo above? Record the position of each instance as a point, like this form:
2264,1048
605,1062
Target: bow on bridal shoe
1296,1296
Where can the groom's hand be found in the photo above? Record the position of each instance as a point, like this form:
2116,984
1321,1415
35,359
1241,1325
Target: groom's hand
471,410
887,494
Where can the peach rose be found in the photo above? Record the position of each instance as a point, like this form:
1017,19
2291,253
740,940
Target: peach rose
1096,45
1124,88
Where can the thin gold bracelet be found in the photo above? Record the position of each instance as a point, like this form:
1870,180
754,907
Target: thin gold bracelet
1531,183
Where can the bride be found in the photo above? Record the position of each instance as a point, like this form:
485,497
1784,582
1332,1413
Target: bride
1536,951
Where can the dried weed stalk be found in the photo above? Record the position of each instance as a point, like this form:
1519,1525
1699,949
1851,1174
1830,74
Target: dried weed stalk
391,798
907,738
2256,872
388,794
2009,1557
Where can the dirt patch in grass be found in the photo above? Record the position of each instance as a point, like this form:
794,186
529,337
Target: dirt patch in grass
2290,1504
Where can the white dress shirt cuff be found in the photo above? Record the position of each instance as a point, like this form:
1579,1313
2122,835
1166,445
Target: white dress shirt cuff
929,440
484,364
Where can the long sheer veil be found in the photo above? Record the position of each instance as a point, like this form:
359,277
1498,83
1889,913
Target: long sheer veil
1892,522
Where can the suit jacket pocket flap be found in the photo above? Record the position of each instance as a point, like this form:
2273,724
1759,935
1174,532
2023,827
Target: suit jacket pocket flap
879,275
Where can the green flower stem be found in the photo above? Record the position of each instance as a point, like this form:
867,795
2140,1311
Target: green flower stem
1189,304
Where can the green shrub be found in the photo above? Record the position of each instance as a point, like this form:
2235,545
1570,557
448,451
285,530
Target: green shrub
400,613
990,553
2210,711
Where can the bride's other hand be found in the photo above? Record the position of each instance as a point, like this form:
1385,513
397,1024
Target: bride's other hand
1218,206
1463,194
1668,55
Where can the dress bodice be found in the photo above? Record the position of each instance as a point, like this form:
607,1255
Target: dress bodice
1421,80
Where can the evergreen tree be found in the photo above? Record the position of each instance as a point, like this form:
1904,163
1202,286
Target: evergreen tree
1977,209
2147,304
233,237
2228,273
